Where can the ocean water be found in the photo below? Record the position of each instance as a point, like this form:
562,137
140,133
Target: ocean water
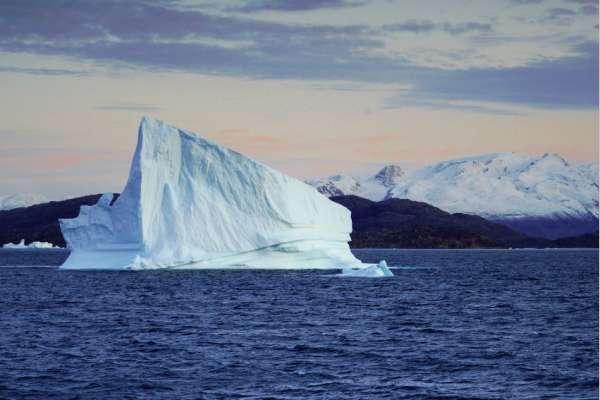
457,324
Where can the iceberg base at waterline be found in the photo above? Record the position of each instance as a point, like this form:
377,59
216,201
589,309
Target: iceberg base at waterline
380,270
190,203
283,256
296,255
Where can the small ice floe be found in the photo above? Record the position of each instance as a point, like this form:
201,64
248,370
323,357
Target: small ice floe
20,245
32,245
380,270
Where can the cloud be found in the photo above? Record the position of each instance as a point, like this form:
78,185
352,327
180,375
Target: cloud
539,87
128,107
536,85
523,2
286,5
88,23
161,36
44,71
589,9
358,87
413,26
423,26
457,29
144,33
582,1
402,102
558,13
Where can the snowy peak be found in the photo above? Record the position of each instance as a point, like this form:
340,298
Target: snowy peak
497,186
554,158
590,171
491,165
505,185
336,185
389,175
20,200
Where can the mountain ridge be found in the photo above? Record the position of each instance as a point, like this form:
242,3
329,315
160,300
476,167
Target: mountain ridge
543,196
402,223
406,223
12,201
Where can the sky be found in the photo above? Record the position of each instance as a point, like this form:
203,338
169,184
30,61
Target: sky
311,87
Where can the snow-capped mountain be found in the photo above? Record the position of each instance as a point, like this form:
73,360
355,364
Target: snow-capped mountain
390,175
20,200
374,187
590,170
515,189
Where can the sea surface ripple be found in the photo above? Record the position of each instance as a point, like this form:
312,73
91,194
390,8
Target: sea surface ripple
456,324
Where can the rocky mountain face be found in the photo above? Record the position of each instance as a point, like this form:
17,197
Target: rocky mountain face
389,176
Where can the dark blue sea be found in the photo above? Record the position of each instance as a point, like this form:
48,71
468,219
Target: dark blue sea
455,324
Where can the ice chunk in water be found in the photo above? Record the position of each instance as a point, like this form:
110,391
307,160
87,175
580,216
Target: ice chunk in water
380,270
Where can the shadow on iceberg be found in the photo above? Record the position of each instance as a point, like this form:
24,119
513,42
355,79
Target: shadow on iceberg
190,203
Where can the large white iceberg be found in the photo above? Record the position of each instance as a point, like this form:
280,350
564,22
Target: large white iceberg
190,203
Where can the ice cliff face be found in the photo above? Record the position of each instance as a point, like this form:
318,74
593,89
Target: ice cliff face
190,203
496,186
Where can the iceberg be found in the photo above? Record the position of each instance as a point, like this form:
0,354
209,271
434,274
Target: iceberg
190,203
